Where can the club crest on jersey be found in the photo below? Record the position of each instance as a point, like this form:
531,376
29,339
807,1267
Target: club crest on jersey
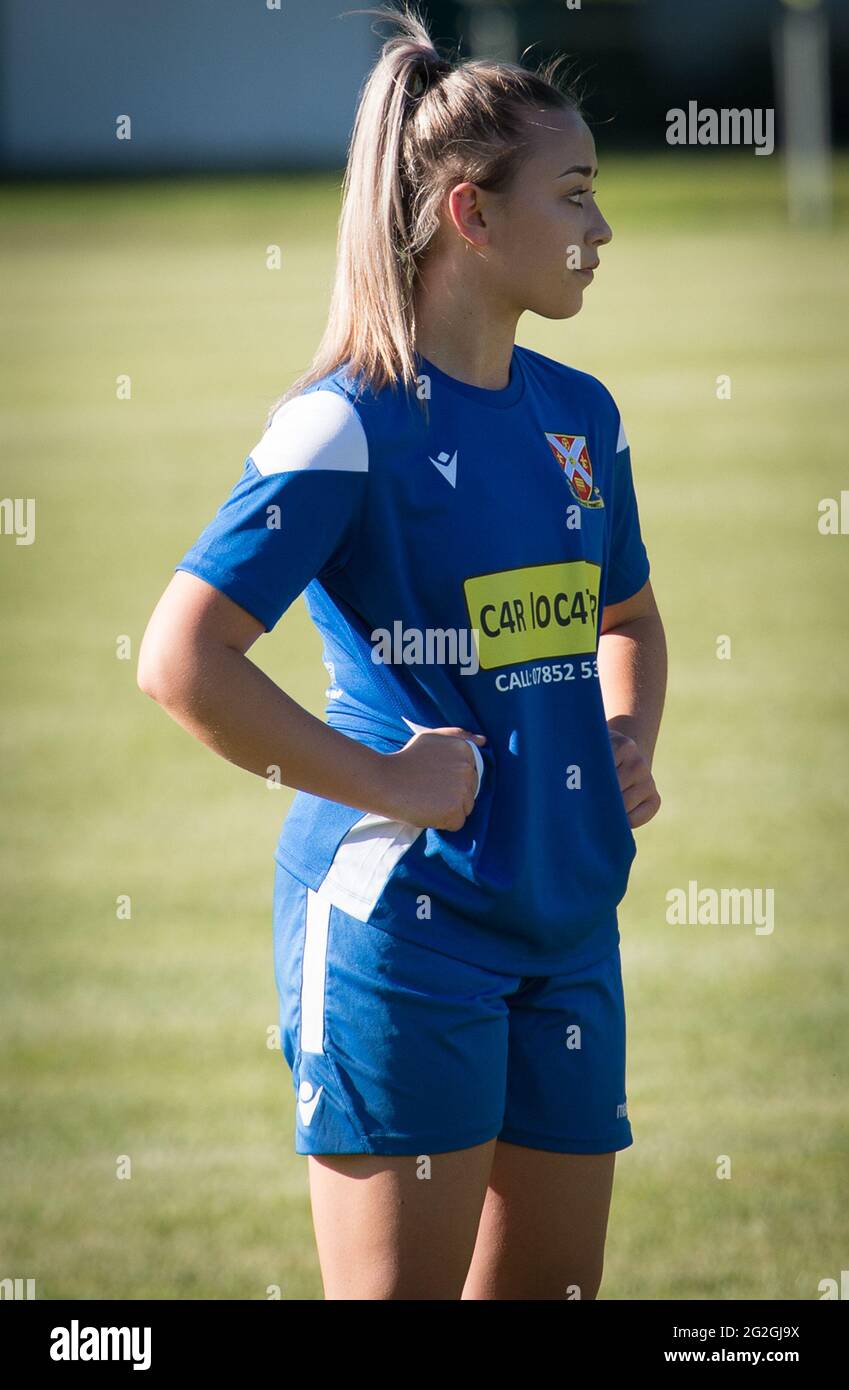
572,454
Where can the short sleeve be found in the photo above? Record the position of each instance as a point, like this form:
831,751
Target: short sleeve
628,563
294,514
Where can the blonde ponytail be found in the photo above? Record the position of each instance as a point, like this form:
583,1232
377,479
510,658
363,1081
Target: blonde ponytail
423,124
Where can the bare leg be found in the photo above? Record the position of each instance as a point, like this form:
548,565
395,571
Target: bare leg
384,1232
543,1226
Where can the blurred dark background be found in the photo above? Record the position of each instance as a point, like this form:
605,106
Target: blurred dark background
218,86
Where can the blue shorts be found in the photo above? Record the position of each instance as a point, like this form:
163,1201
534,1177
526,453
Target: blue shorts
395,1048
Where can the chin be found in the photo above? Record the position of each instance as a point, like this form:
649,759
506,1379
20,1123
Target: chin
569,306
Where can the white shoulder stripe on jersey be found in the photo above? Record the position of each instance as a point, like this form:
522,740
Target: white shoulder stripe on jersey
321,430
622,442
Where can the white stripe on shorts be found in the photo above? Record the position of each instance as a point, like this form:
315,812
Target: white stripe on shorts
313,972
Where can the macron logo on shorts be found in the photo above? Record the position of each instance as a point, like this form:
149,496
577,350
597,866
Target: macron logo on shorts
307,1102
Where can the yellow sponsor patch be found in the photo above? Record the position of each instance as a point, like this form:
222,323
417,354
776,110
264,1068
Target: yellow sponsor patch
541,611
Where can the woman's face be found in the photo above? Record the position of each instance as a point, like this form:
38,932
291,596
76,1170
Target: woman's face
544,234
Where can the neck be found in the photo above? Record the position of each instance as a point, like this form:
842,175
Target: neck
460,328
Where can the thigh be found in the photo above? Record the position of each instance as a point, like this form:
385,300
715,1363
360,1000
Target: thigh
398,1056
543,1226
544,1223
398,1227
566,1062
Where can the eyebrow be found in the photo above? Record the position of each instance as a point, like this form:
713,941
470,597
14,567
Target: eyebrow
580,169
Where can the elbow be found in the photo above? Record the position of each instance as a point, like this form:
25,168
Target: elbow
147,679
152,671
169,669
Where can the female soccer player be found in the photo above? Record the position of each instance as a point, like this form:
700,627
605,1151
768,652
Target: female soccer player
459,513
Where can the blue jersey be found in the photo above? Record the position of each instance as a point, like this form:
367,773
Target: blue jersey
456,567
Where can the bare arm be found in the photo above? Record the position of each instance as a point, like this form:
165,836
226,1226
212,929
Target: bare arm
193,661
632,665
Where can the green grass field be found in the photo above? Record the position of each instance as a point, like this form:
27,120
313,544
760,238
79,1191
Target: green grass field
148,1037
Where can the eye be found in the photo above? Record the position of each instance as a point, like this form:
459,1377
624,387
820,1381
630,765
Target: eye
579,193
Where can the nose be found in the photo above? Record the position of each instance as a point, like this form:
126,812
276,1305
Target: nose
600,233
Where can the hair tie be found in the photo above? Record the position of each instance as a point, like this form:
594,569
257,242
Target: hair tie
429,67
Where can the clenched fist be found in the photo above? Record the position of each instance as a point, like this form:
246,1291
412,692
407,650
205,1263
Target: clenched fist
433,779
639,792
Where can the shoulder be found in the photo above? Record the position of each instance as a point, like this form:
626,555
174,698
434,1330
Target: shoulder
592,394
320,429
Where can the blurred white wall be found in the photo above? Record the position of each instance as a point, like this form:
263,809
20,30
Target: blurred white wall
207,83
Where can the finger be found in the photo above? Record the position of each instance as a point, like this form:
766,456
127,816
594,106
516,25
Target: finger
644,812
635,795
626,750
619,742
631,764
622,753
630,777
